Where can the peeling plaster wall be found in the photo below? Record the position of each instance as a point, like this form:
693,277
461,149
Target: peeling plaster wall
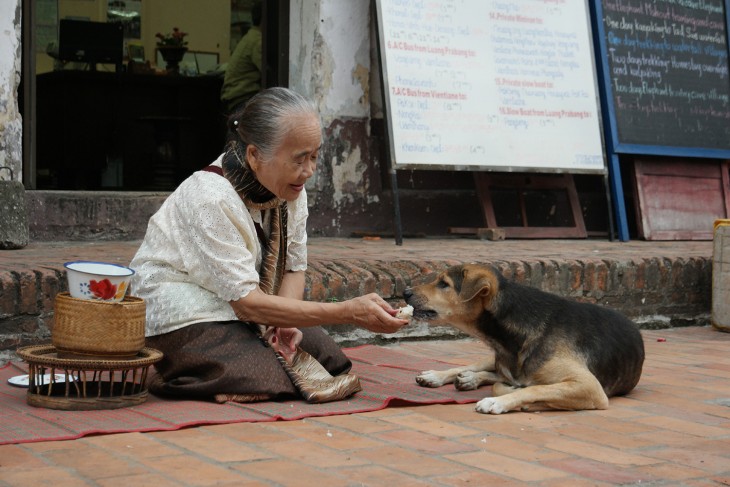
333,59
330,61
11,126
345,38
330,56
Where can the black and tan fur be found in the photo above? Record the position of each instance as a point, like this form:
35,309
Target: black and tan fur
548,351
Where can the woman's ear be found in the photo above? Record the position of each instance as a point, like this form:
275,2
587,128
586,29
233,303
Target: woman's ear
252,157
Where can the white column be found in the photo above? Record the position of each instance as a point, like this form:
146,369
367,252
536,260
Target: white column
11,127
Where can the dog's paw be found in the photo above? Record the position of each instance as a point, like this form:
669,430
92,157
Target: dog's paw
429,378
466,381
490,405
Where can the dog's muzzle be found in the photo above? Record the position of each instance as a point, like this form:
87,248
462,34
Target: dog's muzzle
419,305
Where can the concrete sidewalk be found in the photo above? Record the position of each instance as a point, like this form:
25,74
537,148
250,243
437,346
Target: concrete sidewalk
672,430
55,253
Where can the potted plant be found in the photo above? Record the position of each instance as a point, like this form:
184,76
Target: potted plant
173,47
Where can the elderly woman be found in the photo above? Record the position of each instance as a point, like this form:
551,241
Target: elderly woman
222,265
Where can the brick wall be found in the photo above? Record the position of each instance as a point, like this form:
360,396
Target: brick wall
656,292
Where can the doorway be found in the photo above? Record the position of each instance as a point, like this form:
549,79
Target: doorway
123,131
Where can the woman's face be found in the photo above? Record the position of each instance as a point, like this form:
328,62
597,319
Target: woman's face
293,162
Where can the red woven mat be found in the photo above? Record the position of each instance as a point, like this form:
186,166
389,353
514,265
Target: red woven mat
387,377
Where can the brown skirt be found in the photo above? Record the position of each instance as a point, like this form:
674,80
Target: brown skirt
228,361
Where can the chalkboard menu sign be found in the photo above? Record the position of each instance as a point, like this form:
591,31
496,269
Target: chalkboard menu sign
490,84
665,66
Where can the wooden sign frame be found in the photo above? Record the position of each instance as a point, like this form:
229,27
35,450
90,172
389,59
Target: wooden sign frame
609,29
447,108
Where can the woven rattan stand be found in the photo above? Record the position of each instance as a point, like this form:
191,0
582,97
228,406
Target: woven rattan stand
89,384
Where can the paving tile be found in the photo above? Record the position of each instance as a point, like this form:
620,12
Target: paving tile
669,471
474,477
316,455
507,466
12,456
518,449
93,463
328,436
190,470
47,446
41,477
719,446
618,417
407,461
361,423
721,479
663,438
289,473
620,440
134,444
373,475
692,458
599,453
423,442
574,482
597,471
535,420
703,482
672,404
252,433
141,480
505,425
386,413
461,414
681,426
211,446
429,425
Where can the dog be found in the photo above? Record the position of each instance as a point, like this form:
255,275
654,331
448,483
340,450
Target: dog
549,351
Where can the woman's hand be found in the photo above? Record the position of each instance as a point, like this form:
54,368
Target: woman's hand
373,313
370,312
284,340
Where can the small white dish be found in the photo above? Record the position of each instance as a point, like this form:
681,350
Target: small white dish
24,380
97,280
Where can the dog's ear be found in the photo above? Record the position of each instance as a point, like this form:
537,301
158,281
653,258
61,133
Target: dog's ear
475,283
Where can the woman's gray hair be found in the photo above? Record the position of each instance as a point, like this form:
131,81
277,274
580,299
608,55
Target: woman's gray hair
268,117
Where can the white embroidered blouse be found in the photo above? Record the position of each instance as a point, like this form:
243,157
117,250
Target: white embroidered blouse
201,251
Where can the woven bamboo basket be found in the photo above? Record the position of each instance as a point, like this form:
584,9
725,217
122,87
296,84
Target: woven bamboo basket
101,329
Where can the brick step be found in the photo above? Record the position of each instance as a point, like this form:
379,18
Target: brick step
658,291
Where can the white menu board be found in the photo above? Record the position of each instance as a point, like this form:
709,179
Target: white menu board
480,84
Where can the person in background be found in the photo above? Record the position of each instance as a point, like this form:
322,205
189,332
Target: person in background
221,267
242,79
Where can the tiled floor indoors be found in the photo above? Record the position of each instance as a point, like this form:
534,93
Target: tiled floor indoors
673,429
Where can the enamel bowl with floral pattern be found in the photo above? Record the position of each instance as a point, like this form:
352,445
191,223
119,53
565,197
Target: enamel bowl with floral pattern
97,280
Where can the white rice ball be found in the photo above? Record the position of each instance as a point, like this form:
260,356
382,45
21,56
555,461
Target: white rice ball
405,313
